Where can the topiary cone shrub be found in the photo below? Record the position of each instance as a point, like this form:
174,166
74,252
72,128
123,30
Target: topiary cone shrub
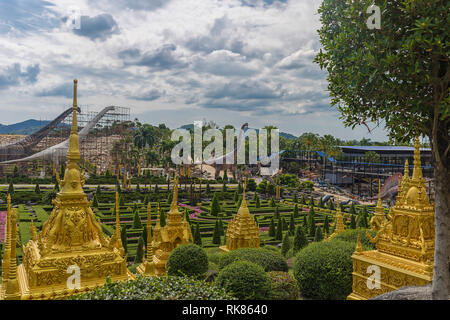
187,260
324,270
245,280
284,286
267,259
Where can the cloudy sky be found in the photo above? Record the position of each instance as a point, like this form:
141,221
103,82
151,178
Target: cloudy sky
170,61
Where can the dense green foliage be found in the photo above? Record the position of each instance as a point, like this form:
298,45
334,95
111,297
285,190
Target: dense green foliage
245,280
300,240
286,244
139,251
215,205
157,288
324,270
269,260
284,286
351,235
189,260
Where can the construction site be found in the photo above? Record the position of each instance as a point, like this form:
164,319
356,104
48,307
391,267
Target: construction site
38,154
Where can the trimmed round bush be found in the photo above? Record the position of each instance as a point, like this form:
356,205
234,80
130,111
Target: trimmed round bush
284,286
187,260
351,235
324,270
267,259
245,280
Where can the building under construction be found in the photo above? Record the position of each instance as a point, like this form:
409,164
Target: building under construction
39,153
353,172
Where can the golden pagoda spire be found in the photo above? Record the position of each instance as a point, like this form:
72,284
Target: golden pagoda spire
12,286
7,253
379,217
358,248
158,223
405,179
117,216
379,204
34,236
149,233
73,155
417,171
244,202
174,204
338,221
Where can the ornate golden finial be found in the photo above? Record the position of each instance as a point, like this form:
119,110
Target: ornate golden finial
379,204
358,248
73,155
406,171
34,236
417,171
12,286
117,216
158,223
149,233
244,201
7,253
174,204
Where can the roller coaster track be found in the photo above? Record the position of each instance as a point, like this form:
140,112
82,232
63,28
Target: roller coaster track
58,152
23,147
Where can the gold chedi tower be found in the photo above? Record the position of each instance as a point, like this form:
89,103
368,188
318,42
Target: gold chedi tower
7,252
147,268
242,231
404,251
165,239
70,240
339,225
379,218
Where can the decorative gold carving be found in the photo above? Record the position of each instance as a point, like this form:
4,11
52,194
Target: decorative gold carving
405,242
339,225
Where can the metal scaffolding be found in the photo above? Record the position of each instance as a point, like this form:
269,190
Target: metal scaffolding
96,147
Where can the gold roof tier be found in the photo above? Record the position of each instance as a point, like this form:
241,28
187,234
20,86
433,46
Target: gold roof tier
165,239
242,231
404,243
71,238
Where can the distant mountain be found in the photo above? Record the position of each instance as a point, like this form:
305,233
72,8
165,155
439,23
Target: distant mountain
287,135
25,127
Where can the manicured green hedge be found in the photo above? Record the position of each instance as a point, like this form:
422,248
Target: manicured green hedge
324,270
157,288
187,260
245,280
267,259
284,286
